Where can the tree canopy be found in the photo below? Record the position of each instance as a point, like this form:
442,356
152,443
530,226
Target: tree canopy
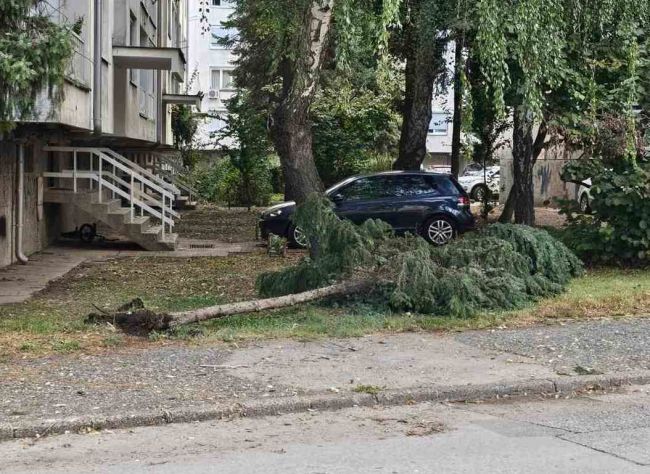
33,55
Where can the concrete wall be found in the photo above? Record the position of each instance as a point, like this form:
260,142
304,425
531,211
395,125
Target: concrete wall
546,178
129,119
41,221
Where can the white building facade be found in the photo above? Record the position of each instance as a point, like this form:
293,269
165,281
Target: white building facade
210,66
89,157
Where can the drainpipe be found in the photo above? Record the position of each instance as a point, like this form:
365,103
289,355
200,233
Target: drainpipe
159,108
97,74
19,212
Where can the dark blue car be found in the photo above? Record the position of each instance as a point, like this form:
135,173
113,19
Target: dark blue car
432,205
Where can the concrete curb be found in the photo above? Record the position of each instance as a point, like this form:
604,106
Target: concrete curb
328,402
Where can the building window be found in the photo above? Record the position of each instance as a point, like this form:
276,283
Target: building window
221,3
439,124
227,79
133,41
215,79
222,79
217,34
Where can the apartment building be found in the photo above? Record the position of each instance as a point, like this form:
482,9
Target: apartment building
89,157
210,66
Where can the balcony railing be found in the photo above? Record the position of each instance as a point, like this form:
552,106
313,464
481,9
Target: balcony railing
146,103
80,66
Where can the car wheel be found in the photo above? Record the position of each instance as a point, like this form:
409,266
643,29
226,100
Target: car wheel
439,230
585,208
479,192
297,237
87,233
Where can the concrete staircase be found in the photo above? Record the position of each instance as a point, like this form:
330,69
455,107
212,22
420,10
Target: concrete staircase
170,171
109,188
142,230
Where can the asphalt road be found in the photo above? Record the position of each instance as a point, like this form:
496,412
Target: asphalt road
593,433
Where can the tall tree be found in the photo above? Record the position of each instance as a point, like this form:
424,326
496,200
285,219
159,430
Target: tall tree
33,55
539,57
421,43
459,67
282,46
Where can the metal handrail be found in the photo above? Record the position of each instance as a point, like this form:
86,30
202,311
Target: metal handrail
94,175
174,174
112,182
161,182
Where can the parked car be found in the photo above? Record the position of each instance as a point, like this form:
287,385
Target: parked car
584,196
476,184
430,204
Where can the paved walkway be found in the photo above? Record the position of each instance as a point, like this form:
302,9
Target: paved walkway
173,379
19,282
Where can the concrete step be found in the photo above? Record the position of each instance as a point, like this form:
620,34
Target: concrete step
119,216
141,229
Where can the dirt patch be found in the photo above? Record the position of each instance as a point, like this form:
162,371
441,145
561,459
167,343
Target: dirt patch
210,222
544,216
53,320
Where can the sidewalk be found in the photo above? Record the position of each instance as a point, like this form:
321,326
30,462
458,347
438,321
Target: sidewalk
181,383
19,282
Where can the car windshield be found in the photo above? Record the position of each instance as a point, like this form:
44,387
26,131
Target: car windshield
333,188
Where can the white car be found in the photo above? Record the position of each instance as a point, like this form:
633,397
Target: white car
474,184
584,196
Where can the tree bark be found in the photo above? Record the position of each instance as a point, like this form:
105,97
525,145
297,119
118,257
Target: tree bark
134,318
291,127
424,63
508,208
523,162
458,107
538,148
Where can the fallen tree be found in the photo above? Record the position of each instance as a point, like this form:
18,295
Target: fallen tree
135,318
503,266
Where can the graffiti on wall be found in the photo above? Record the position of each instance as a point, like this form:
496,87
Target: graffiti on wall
544,176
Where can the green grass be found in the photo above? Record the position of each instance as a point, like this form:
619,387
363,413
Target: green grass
369,389
313,321
53,320
600,293
66,346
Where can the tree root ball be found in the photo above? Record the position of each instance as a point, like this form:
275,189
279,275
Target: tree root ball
133,318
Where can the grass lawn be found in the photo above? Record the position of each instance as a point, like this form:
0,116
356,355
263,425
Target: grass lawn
52,321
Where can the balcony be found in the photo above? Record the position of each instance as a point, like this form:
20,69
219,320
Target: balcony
146,104
162,59
183,99
79,69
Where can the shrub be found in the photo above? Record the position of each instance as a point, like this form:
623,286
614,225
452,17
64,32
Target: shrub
501,267
224,183
354,129
619,227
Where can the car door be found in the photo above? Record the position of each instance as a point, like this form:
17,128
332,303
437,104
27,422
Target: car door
413,195
362,199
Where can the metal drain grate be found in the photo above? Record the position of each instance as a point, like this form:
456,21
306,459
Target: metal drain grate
201,246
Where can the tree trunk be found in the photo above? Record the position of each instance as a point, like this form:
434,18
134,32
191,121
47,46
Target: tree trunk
424,63
458,107
292,137
522,160
291,128
219,311
538,148
134,318
508,208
